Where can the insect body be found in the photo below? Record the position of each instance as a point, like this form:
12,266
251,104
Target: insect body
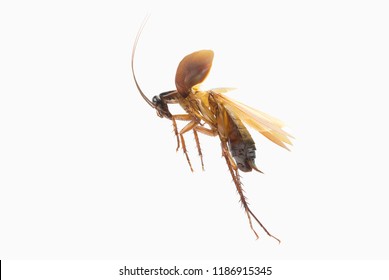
214,114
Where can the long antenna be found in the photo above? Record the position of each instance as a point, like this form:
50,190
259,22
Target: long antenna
132,61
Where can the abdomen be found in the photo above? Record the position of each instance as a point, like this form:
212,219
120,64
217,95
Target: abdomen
241,144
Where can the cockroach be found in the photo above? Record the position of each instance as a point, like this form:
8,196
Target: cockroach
212,113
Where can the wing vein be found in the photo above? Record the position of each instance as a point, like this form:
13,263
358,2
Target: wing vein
265,124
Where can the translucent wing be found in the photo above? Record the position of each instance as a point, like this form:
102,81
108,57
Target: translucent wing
222,90
265,124
192,70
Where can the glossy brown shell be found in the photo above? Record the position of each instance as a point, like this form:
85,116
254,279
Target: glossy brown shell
192,70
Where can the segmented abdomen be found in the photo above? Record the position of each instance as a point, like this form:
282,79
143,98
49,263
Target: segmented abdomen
241,144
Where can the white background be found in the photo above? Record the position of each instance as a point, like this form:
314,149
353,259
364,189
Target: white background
87,169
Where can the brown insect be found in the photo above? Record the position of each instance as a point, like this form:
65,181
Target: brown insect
214,114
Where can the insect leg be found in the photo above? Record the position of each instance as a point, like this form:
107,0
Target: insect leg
196,136
225,130
181,117
186,128
205,131
235,177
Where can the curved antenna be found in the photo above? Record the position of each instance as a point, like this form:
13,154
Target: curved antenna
132,61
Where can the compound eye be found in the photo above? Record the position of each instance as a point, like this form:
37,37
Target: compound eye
156,99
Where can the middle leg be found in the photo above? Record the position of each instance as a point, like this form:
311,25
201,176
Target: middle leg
206,131
191,125
179,117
